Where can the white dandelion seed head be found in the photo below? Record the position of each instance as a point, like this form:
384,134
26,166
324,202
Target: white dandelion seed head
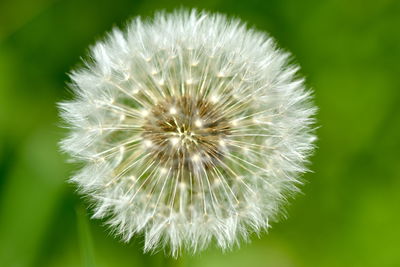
192,128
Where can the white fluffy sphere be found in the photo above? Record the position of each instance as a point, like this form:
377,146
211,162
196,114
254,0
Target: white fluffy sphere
191,128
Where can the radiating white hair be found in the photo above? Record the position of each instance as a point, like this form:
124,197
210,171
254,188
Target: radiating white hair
191,128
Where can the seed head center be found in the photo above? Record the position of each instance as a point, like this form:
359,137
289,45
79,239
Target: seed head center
186,132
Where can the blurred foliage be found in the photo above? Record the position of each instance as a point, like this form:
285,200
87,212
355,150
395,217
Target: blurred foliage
349,212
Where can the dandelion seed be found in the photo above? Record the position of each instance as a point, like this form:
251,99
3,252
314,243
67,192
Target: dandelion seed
187,162
198,123
173,110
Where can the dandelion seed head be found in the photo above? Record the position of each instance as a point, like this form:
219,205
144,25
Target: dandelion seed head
192,128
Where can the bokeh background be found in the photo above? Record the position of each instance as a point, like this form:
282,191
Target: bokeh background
349,214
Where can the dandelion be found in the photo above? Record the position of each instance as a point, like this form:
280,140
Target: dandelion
191,128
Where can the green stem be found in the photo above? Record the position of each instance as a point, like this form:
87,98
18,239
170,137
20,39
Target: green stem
85,238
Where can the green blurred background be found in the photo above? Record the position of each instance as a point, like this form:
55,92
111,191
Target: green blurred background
349,214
